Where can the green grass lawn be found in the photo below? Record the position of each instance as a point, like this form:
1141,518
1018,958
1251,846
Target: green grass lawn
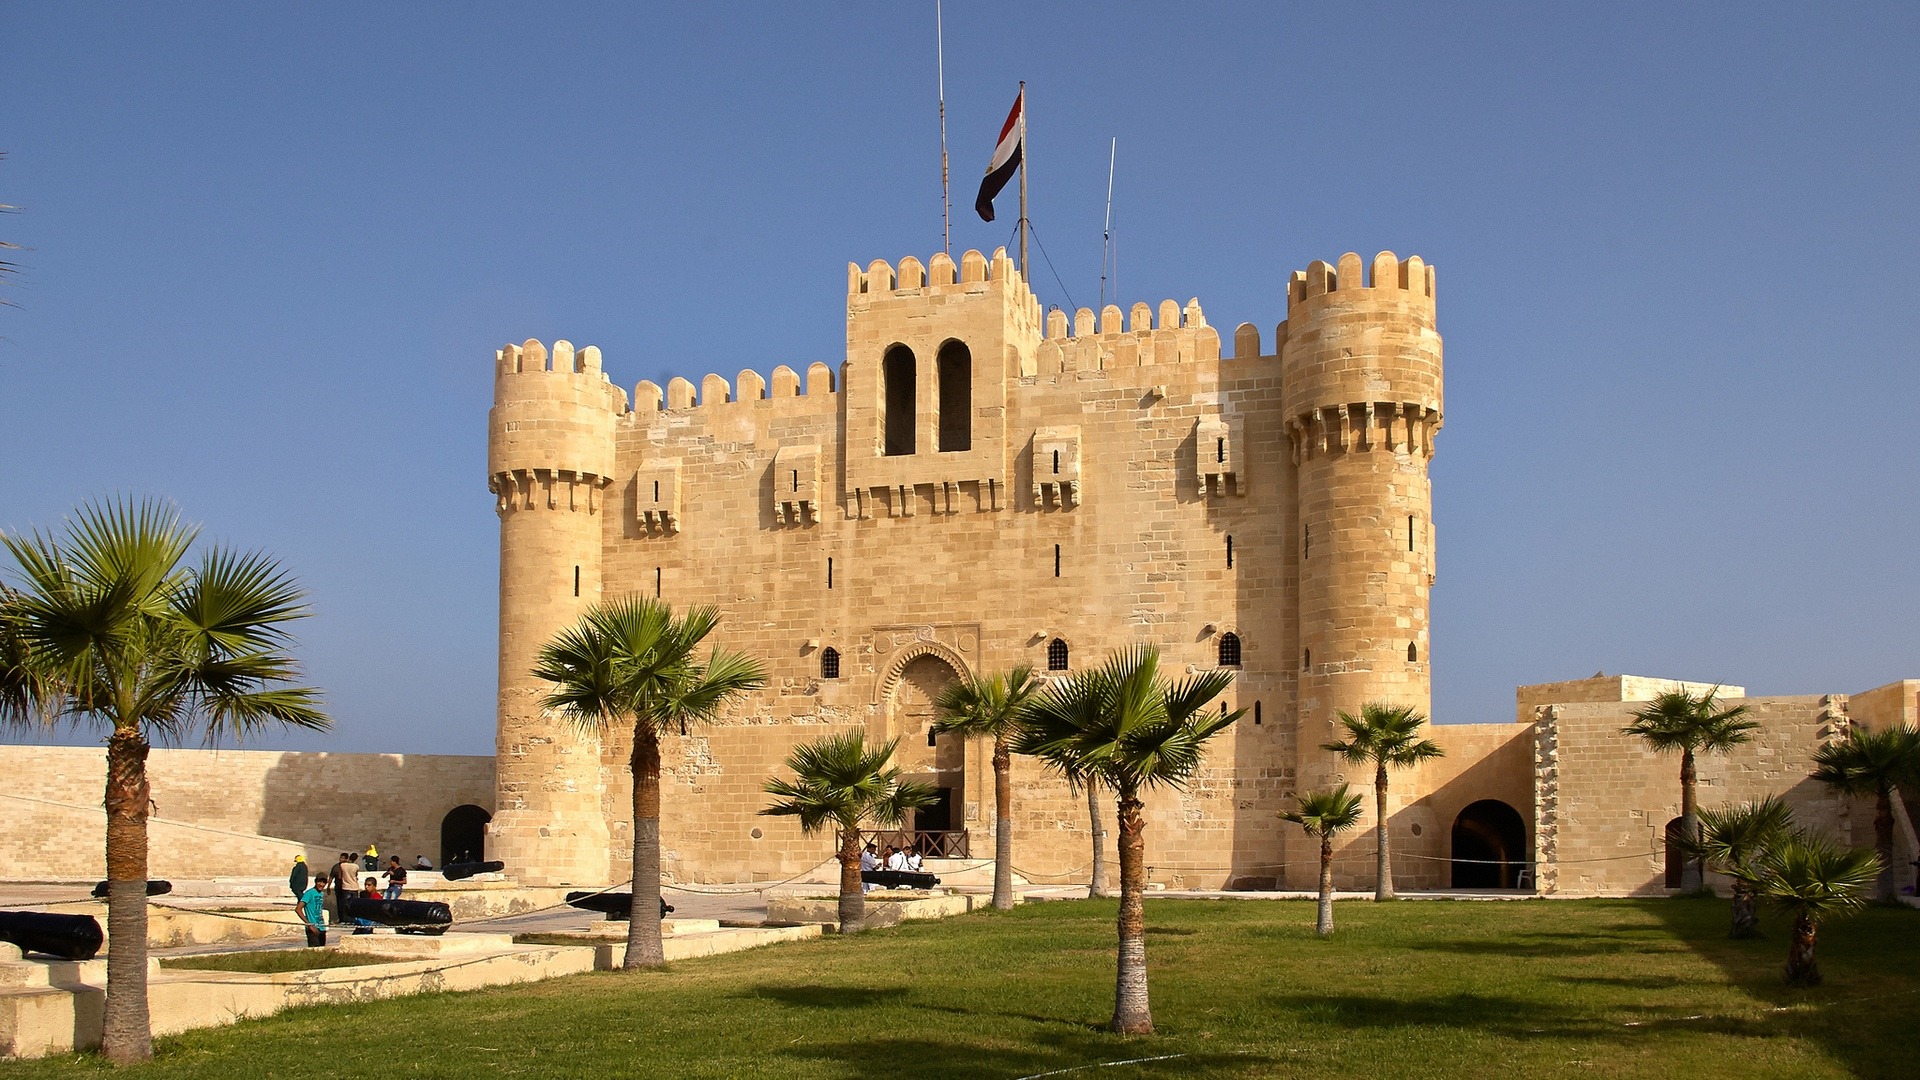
274,961
1240,989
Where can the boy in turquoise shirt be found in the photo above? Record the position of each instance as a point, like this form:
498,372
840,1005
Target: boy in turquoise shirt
312,913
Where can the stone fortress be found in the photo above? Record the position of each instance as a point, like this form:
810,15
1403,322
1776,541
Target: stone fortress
981,484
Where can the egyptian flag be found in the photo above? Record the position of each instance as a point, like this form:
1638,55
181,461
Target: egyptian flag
1006,158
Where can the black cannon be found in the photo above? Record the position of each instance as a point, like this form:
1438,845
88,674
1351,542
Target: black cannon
899,879
614,905
456,871
154,888
69,937
406,916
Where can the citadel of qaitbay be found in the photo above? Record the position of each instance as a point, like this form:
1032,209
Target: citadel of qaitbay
980,485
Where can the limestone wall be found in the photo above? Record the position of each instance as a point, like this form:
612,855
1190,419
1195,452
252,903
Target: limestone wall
1603,800
230,812
1607,688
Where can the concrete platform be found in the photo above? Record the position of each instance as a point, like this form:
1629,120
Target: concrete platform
884,908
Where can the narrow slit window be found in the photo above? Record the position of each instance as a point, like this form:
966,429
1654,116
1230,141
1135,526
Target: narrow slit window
829,571
1229,551
931,736
1220,450
1056,560
1256,714
830,663
656,491
796,479
1056,655
1229,650
1409,532
576,579
1413,652
1306,541
1306,659
656,582
1056,462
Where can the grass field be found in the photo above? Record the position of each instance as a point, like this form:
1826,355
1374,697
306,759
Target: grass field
1240,989
274,961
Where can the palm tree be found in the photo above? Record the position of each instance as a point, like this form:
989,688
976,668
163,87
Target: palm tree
1388,736
991,706
1732,840
1322,814
111,624
1875,763
841,781
1097,881
1813,878
1127,728
1691,724
631,660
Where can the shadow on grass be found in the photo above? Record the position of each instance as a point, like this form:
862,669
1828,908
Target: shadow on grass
1507,1016
917,1057
1550,944
1630,982
828,997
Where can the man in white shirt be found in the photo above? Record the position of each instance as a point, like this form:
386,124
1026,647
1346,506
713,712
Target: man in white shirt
897,860
868,861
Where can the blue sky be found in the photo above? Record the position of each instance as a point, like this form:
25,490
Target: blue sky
272,248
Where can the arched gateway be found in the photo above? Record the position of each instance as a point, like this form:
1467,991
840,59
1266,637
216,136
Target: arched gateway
907,714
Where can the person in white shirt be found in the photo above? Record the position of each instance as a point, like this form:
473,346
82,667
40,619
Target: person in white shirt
897,860
868,861
913,861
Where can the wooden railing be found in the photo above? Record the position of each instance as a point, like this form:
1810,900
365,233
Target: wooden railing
944,844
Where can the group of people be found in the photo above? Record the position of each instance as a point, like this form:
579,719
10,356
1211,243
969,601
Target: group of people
893,858
311,891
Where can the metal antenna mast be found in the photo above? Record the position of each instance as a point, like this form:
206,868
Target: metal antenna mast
1106,233
946,198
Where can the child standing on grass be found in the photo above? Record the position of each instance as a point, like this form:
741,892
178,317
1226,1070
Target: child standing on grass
309,906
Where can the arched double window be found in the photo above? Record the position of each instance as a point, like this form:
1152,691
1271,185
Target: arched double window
1229,650
897,375
1056,655
955,364
830,663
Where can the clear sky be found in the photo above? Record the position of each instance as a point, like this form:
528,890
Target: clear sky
273,247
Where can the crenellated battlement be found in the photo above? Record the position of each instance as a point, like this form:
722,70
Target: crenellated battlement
1086,342
1387,274
748,386
939,272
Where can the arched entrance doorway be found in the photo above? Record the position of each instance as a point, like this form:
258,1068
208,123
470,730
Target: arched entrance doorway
936,760
1676,845
463,835
1489,846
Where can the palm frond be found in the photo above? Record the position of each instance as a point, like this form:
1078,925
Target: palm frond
1733,838
1324,813
839,779
1812,876
1681,720
1869,762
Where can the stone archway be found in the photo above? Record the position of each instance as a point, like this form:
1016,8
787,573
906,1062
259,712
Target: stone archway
907,714
1489,846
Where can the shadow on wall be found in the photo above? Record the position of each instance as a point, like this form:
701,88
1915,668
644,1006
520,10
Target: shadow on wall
396,803
1490,805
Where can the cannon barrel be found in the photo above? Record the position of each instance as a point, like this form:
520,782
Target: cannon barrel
407,916
899,879
457,871
614,905
69,937
154,888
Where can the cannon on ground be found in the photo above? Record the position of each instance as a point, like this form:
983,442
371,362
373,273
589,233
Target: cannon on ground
154,888
69,937
406,916
456,871
614,905
899,879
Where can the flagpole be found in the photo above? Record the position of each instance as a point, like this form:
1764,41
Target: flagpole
1025,161
946,198
1106,231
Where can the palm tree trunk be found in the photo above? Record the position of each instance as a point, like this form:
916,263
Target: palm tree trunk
1746,916
1802,968
1324,924
1884,889
644,947
126,1034
1097,885
1131,1013
853,894
1692,873
1383,871
1002,826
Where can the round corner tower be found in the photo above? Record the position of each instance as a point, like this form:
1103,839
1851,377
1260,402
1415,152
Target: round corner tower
1361,392
549,463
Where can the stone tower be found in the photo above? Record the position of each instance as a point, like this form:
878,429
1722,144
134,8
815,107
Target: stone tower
1362,397
549,462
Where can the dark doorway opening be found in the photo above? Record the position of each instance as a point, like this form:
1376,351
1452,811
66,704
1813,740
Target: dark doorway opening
938,817
1489,846
463,835
1676,852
